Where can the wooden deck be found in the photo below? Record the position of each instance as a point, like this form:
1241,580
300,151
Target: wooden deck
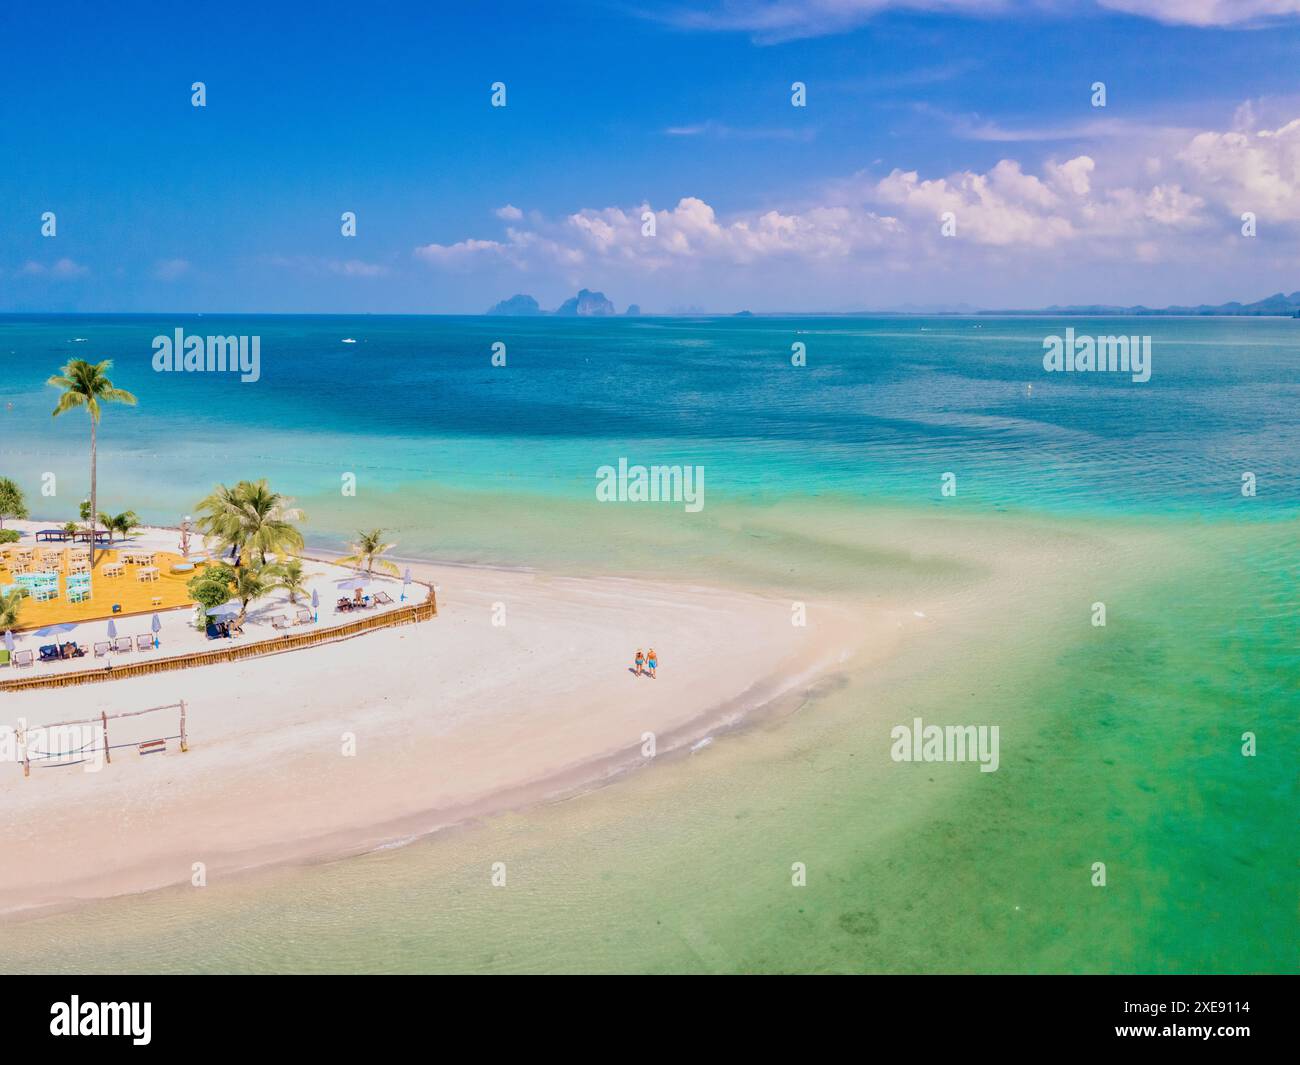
408,615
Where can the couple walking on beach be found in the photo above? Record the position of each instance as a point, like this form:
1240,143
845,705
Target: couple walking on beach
646,663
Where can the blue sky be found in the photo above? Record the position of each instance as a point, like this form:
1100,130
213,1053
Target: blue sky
615,109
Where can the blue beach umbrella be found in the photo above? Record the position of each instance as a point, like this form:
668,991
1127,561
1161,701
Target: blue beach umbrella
224,610
112,629
9,641
55,630
406,579
157,628
315,605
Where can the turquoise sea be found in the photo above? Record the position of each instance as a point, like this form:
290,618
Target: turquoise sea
1129,743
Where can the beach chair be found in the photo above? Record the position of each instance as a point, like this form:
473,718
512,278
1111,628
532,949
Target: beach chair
23,658
122,644
383,597
280,622
214,631
144,642
50,652
102,648
304,616
4,657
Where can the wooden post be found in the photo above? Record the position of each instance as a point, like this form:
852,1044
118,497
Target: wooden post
185,744
108,756
22,740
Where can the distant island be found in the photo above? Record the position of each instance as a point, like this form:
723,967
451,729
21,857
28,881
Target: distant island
586,304
517,305
1276,305
589,304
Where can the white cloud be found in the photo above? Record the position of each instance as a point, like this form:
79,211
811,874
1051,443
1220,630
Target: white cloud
1207,12
462,253
61,270
316,266
171,269
774,21
356,268
509,213
1247,171
1103,206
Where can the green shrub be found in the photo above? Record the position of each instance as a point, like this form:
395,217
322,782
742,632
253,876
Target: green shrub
9,536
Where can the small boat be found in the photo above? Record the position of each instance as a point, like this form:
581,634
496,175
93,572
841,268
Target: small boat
348,340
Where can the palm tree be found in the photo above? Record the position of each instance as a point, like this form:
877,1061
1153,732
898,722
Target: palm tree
366,552
219,513
292,579
12,504
268,519
10,604
125,523
253,582
86,385
251,515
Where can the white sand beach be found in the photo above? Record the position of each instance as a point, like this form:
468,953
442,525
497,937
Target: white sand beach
453,718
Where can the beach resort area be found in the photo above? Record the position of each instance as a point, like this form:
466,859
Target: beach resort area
134,611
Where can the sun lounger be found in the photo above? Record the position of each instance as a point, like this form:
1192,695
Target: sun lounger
4,657
383,597
153,747
144,642
50,653
101,649
23,658
122,644
280,622
304,616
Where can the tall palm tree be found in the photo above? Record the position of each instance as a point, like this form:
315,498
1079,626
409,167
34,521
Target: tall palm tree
268,519
219,517
251,515
86,385
366,552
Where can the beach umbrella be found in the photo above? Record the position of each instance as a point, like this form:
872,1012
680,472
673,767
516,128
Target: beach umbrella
112,629
9,641
55,630
157,628
315,605
224,610
406,579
